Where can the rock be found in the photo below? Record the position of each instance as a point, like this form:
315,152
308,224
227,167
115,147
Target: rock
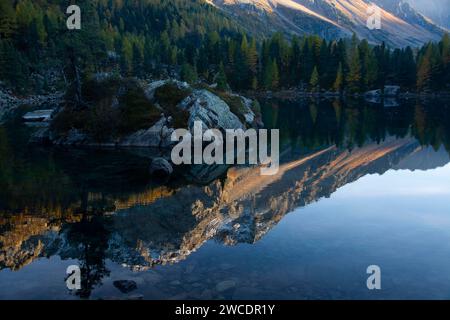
9,102
391,91
73,137
248,114
41,136
136,297
102,76
160,167
209,109
175,283
153,86
158,136
373,93
38,115
125,286
225,285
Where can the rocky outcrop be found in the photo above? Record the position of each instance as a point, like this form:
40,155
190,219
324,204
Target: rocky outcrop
73,138
9,102
158,136
196,105
210,110
38,115
153,86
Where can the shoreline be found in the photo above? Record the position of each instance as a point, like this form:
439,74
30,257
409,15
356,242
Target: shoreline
298,94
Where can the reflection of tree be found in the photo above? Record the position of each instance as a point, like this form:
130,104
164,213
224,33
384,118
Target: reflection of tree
354,122
90,238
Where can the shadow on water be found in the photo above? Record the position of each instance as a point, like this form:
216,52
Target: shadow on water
100,205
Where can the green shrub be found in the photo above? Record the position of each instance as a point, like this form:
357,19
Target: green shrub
94,91
68,119
103,121
169,97
136,112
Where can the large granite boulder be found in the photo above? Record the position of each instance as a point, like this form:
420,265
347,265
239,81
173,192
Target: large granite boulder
209,109
155,85
248,114
157,136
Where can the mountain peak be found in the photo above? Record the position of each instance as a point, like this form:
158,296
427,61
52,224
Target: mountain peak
402,25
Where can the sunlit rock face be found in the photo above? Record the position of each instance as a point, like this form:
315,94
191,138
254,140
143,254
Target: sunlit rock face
165,225
437,10
402,25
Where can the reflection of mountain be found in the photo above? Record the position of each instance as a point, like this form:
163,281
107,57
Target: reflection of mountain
239,209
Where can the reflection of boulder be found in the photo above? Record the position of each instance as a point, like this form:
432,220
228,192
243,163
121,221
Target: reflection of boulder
160,167
374,93
390,102
241,208
391,91
388,97
245,206
373,99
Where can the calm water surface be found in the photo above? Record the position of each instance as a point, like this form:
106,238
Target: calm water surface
360,184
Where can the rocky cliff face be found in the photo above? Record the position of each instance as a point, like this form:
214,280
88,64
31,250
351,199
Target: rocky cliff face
240,209
402,25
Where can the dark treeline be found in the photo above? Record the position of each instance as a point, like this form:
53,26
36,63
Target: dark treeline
350,123
159,37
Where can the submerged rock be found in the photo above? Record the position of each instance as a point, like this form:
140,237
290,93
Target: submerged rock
225,285
125,286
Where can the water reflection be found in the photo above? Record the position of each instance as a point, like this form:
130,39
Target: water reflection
98,206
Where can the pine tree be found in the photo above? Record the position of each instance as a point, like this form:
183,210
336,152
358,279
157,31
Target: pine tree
424,72
7,19
314,81
354,74
189,73
339,82
271,75
275,75
221,79
445,44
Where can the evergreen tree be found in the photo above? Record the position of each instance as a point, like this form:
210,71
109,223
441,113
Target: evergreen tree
354,75
339,82
424,72
221,79
189,73
314,81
